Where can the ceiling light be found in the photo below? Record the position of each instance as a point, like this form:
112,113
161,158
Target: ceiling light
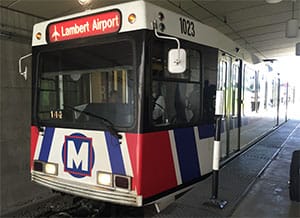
273,1
292,26
84,2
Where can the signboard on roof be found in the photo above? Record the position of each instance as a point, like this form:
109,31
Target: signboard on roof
92,25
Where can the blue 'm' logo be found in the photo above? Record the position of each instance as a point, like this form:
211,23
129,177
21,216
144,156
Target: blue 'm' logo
78,155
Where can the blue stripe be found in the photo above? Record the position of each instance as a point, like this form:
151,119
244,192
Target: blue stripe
115,154
46,144
206,131
187,154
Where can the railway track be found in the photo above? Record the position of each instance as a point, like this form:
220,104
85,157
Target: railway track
64,206
79,208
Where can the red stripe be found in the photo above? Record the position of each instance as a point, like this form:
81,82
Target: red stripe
33,143
135,157
152,162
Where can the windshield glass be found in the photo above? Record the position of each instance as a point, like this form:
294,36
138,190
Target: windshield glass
84,86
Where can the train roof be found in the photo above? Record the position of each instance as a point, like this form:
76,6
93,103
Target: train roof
145,13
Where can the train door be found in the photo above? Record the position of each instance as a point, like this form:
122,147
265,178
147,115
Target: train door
228,82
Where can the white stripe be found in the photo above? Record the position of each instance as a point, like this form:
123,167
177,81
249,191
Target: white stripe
175,157
102,159
126,157
38,146
216,156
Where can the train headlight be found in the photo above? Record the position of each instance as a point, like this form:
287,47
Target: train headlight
51,168
104,179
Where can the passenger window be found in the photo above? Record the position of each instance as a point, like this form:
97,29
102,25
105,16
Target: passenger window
234,85
194,65
222,75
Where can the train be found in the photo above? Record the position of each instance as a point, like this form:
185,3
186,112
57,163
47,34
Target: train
124,100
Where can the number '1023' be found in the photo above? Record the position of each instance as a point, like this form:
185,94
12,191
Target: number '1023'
187,27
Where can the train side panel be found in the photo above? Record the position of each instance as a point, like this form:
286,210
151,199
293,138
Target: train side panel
167,159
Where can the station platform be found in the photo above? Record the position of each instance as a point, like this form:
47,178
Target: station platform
255,184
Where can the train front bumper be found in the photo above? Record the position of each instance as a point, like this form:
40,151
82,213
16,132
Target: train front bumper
87,191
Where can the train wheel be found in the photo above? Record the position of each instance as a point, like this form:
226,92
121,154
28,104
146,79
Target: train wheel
295,177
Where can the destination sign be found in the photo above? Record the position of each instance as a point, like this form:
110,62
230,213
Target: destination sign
96,24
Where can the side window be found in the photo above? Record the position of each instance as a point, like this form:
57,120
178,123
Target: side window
251,91
234,85
222,75
175,97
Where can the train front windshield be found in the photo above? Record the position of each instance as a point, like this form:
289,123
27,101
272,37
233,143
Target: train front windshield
87,87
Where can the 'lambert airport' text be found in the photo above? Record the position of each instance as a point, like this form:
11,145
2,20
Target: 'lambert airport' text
95,25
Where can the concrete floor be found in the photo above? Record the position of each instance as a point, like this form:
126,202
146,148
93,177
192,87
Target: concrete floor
269,197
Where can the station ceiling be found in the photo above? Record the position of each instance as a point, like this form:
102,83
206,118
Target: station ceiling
254,24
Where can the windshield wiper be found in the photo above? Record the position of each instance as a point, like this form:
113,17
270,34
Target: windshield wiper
109,125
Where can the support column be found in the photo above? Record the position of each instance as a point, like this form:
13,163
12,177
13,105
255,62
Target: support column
214,201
